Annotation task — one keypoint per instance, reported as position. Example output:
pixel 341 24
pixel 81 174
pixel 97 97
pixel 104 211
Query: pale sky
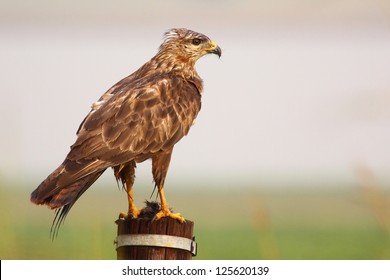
pixel 303 93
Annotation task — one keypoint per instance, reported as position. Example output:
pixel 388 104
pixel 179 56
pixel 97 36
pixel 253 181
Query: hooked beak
pixel 215 49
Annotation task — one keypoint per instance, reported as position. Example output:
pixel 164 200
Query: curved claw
pixel 169 214
pixel 131 215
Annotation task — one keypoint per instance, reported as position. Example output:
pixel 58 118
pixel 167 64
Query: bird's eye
pixel 196 41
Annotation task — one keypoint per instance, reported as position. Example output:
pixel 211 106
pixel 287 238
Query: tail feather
pixel 43 194
pixel 57 195
pixel 74 192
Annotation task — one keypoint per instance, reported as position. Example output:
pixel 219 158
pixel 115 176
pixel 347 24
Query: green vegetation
pixel 230 224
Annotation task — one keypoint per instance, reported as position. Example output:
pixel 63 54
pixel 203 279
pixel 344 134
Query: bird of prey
pixel 141 117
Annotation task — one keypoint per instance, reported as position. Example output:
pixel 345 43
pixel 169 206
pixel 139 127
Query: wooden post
pixel 145 239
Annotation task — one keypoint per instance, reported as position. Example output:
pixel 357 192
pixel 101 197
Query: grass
pixel 247 224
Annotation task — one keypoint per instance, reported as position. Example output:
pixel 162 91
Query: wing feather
pixel 137 122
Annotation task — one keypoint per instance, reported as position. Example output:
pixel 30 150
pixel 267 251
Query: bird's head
pixel 188 45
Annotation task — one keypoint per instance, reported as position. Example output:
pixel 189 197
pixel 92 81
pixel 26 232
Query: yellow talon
pixel 133 214
pixel 169 214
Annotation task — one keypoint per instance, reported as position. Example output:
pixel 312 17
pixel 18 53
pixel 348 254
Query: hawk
pixel 141 117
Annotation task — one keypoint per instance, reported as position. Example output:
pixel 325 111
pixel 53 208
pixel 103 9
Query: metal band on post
pixel 157 240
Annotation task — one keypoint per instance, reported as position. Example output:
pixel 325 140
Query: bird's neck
pixel 167 63
pixel 171 62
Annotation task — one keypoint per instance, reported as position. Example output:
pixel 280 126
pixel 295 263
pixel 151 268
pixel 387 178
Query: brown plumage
pixel 141 117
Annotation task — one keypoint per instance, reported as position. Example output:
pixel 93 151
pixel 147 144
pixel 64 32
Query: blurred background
pixel 289 157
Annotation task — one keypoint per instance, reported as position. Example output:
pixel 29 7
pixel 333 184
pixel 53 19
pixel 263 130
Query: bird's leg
pixel 127 176
pixel 133 211
pixel 160 164
pixel 165 211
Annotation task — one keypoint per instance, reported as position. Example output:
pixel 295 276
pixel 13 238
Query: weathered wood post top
pixel 146 239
